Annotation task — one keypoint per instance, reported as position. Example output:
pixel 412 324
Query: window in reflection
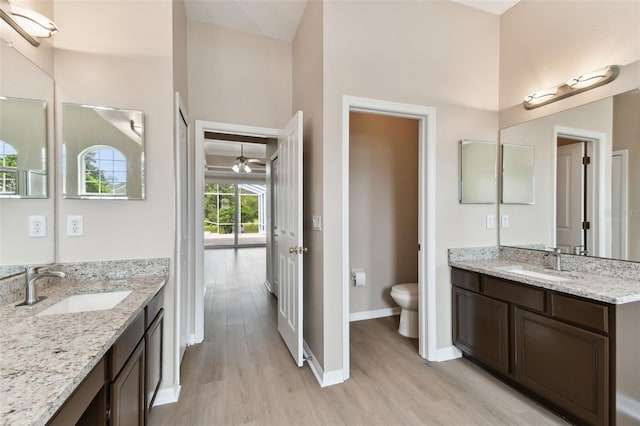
pixel 103 171
pixel 8 169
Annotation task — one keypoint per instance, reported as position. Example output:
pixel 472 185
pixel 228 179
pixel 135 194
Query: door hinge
pixel 418 247
pixel 108 415
pixel 586 225
pixel 586 160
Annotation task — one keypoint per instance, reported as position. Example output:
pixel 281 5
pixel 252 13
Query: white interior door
pixel 570 197
pixel 290 242
pixel 183 208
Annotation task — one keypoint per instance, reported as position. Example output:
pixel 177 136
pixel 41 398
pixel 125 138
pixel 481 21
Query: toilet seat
pixel 405 288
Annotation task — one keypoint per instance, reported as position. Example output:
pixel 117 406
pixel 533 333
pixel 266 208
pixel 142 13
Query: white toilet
pixel 406 296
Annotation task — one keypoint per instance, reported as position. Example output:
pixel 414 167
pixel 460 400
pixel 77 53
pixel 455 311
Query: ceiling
pixel 279 19
pixel 221 155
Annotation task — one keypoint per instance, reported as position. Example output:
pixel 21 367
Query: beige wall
pixel 307 83
pixel 383 206
pixel 180 58
pixel 626 135
pixel 395 52
pixel 238 78
pixel 131 68
pixel 544 43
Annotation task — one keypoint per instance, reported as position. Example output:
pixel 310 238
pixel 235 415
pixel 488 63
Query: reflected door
pixel 570 197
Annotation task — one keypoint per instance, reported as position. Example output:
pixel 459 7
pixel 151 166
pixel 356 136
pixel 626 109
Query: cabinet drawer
pixel 517 294
pixel 465 279
pixel 125 345
pixel 153 308
pixel 589 314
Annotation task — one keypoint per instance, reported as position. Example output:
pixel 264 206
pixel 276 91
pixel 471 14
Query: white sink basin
pixel 86 303
pixel 533 274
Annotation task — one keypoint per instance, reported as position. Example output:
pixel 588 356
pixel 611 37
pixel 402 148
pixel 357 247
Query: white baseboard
pixel 447 353
pixel 628 406
pixel 167 395
pixel 378 313
pixel 324 379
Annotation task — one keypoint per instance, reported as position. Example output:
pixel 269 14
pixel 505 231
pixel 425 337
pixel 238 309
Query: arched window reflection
pixel 8 169
pixel 103 171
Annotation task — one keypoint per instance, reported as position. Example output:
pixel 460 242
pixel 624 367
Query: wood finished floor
pixel 242 374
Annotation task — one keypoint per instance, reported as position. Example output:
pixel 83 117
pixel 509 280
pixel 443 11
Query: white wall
pixel 383 206
pixel 545 43
pixel 238 78
pixel 410 52
pixel 127 64
pixel 308 87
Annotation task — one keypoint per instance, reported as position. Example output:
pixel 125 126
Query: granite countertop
pixel 591 286
pixel 43 359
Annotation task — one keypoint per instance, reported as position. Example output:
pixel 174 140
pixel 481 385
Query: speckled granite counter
pixel 43 359
pixel 606 280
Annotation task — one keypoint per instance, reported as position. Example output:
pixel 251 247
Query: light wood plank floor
pixel 242 373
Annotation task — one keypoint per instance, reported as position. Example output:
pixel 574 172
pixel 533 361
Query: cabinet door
pixel 481 328
pixel 127 391
pixel 153 341
pixel 565 365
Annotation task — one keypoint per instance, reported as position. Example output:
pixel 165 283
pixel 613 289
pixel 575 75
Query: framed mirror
pixel 586 161
pixel 477 172
pixel 26 163
pixel 103 152
pixel 518 178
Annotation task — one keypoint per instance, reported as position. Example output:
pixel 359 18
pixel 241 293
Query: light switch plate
pixel 504 221
pixel 316 223
pixel 491 221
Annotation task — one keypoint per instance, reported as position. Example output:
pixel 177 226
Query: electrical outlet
pixel 75 226
pixel 37 226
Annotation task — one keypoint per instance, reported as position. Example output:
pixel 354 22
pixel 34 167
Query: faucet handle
pixel 553 250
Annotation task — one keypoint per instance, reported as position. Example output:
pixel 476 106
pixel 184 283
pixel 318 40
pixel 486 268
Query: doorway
pixel 597 147
pixel 383 188
pixel 572 197
pixel 426 117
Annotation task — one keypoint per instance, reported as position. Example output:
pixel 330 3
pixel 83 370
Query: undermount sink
pixel 86 303
pixel 533 274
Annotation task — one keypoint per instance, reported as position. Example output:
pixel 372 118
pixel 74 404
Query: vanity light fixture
pixel 27 23
pixel 572 87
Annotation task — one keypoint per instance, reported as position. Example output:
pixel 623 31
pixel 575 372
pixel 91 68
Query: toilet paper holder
pixel 358 277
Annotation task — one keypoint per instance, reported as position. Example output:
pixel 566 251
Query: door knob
pixel 293 250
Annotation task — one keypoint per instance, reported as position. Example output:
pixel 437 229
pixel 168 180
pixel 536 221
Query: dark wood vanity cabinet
pixel 481 328
pixel 568 365
pixel 121 389
pixel 554 347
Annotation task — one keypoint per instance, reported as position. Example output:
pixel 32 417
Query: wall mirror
pixel 518 177
pixel 26 162
pixel 477 172
pixel 103 152
pixel 587 160
pixel 23 148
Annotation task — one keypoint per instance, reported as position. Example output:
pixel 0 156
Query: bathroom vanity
pixel 567 339
pixel 96 367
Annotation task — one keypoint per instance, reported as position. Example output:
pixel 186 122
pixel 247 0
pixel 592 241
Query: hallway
pixel 242 374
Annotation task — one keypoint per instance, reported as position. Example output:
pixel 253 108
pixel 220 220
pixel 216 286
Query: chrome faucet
pixel 31 275
pixel 555 252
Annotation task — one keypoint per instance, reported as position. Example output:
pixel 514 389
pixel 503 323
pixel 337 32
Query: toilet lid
pixel 408 288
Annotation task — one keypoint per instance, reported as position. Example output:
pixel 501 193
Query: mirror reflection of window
pixel 103 170
pixel 8 169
